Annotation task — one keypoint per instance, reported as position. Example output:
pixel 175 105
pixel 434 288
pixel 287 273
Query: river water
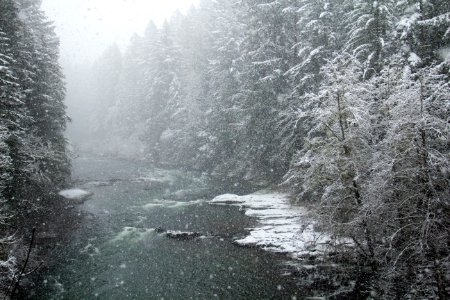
pixel 117 254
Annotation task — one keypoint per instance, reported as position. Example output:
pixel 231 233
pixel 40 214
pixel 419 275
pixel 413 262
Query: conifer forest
pixel 330 119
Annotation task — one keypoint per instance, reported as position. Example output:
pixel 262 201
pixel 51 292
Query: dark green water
pixel 117 254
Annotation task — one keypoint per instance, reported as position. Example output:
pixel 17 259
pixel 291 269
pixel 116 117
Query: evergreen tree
pixel 424 30
pixel 33 160
pixel 106 72
pixel 369 25
pixel 319 36
pixel 224 123
pixel 414 173
pixel 45 92
pixel 266 52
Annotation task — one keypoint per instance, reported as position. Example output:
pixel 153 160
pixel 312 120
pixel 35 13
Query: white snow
pixel 414 59
pixel 444 53
pixel 75 194
pixel 282 227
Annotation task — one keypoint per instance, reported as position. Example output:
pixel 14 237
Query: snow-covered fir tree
pixel 33 158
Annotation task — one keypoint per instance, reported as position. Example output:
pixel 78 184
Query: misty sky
pixel 87 27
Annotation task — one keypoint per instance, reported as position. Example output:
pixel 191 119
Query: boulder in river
pixel 75 196
pixel 182 235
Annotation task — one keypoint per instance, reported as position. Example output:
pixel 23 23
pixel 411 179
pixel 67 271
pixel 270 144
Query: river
pixel 118 253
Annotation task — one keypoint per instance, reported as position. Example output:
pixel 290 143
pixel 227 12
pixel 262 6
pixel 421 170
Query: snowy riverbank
pixel 282 227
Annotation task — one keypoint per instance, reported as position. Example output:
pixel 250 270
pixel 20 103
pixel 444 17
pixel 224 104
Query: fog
pixel 86 28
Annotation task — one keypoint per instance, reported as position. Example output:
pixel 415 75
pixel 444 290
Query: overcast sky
pixel 87 27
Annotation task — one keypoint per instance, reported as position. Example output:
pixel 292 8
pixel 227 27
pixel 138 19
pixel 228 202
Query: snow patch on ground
pixel 281 227
pixel 75 194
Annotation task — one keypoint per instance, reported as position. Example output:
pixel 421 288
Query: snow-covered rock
pixel 77 196
pixel 282 227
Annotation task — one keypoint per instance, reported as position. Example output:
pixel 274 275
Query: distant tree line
pixel 345 102
pixel 33 158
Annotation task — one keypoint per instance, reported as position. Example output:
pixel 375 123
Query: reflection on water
pixel 121 251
